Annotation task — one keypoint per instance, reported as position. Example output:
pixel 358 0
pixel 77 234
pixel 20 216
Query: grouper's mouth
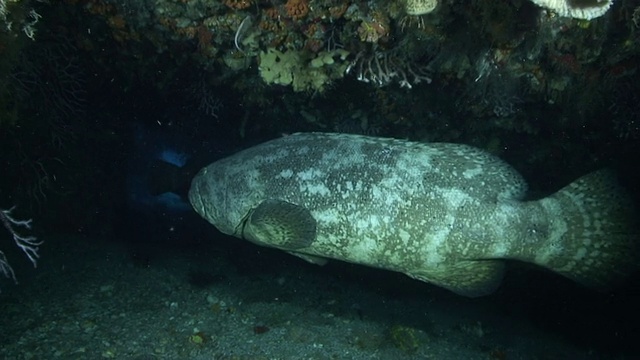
pixel 195 199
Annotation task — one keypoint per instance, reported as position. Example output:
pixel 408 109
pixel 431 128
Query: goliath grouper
pixel 446 214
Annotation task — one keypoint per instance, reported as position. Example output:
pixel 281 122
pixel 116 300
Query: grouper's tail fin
pixel 596 241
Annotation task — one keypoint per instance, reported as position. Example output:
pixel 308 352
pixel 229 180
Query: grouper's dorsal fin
pixel 470 278
pixel 280 224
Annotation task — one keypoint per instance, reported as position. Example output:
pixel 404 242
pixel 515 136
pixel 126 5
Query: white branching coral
pixel 28 244
pixel 578 9
pixel 26 20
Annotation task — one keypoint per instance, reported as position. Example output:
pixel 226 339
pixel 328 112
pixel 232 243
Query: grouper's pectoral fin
pixel 280 224
pixel 310 258
pixel 470 278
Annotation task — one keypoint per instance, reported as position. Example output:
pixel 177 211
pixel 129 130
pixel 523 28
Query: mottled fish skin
pixel 444 213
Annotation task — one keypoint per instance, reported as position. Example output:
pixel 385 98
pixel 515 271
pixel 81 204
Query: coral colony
pixel 308 45
pixel 385 68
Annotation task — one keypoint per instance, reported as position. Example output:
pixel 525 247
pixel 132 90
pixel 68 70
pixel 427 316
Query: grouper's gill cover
pixel 442 213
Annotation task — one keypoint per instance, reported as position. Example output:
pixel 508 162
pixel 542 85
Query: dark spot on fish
pixel 260 329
